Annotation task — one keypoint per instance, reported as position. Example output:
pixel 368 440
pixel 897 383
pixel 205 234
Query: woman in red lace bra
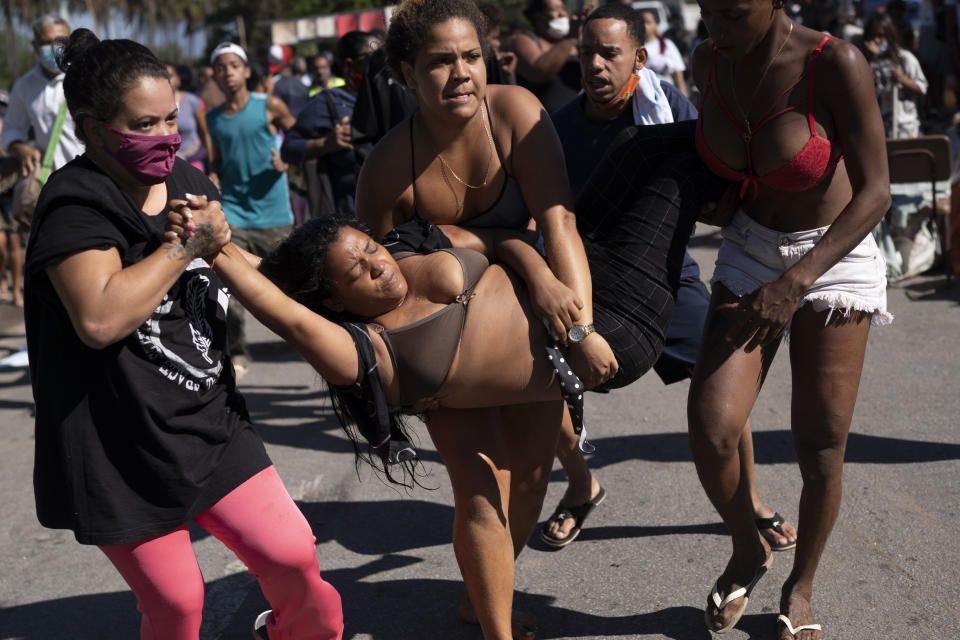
pixel 789 115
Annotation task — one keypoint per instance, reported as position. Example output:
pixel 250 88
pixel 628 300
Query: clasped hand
pixel 198 225
pixel 760 317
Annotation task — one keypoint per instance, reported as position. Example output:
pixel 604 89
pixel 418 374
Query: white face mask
pixel 559 27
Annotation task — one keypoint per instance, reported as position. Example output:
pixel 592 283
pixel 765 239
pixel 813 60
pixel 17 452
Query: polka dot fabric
pixel 571 388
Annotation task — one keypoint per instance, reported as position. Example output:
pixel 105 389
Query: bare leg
pixel 761 510
pixel 581 485
pixel 15 255
pixel 724 388
pixel 826 363
pixel 531 432
pixel 474 449
pixel 3 265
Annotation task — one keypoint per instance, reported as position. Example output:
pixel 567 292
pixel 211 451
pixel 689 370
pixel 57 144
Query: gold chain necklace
pixel 733 89
pixel 453 191
pixel 486 172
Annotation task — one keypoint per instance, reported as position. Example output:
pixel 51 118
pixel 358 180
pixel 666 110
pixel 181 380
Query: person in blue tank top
pixel 249 171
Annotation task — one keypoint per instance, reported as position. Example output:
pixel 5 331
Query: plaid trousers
pixel 635 217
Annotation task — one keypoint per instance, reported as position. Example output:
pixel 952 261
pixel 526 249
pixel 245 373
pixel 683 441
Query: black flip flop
pixel 776 523
pixel 578 513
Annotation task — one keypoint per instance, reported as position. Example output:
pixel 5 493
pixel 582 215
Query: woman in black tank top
pixel 488 156
pixel 465 148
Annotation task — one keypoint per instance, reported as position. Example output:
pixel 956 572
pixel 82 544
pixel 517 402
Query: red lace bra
pixel 804 171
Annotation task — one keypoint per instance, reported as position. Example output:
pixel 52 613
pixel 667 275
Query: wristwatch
pixel 579 331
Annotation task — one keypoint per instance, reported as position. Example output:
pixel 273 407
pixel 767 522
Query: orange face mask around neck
pixel 620 100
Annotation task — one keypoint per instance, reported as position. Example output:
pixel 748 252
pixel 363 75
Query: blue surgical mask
pixel 48 57
pixel 882 49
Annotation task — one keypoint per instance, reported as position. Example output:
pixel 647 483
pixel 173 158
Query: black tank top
pixel 508 211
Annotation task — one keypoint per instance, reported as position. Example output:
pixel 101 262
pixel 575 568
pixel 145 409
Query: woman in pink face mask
pixel 139 428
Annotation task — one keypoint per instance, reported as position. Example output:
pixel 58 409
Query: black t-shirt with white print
pixel 135 439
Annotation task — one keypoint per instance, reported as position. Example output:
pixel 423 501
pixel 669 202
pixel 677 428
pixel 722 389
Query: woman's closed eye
pixel 356 270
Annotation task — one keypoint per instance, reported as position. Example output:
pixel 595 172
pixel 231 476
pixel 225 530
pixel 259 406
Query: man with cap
pixel 619 92
pixel 247 165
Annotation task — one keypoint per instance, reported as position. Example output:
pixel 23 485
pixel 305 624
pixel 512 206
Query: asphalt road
pixel 644 563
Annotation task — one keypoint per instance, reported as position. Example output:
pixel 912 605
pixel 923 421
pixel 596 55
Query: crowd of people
pixel 462 223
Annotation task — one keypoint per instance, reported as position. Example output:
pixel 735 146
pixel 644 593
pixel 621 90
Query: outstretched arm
pixel 325 345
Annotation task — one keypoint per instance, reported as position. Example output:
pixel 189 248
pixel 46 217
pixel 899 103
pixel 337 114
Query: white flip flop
pixel 795 630
pixel 721 604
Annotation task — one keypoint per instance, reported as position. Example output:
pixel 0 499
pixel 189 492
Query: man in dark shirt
pixel 619 93
pixel 323 127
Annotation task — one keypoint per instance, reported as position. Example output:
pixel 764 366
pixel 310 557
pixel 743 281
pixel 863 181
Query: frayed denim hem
pixel 837 302
pixel 831 302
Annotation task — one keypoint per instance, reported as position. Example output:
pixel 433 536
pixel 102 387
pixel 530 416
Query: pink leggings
pixel 260 523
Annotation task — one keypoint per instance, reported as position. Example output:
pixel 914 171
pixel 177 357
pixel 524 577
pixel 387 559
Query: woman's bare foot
pixel 523 625
pixel 574 497
pixel 743 570
pixel 784 541
pixel 796 607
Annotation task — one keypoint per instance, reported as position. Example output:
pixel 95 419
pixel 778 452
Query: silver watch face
pixel 577 333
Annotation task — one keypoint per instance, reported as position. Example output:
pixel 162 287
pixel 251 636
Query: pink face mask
pixel 149 159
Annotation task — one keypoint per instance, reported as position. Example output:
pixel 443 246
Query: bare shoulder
pixel 525 42
pixel 276 106
pixel 842 67
pixel 514 106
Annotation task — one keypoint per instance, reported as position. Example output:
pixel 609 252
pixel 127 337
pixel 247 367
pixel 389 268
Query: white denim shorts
pixel 752 255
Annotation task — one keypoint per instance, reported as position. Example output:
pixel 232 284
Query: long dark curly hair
pixel 298 267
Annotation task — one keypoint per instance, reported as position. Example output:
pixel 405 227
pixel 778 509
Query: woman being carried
pixel 447 326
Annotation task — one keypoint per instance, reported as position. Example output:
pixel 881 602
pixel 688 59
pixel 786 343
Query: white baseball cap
pixel 228 47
